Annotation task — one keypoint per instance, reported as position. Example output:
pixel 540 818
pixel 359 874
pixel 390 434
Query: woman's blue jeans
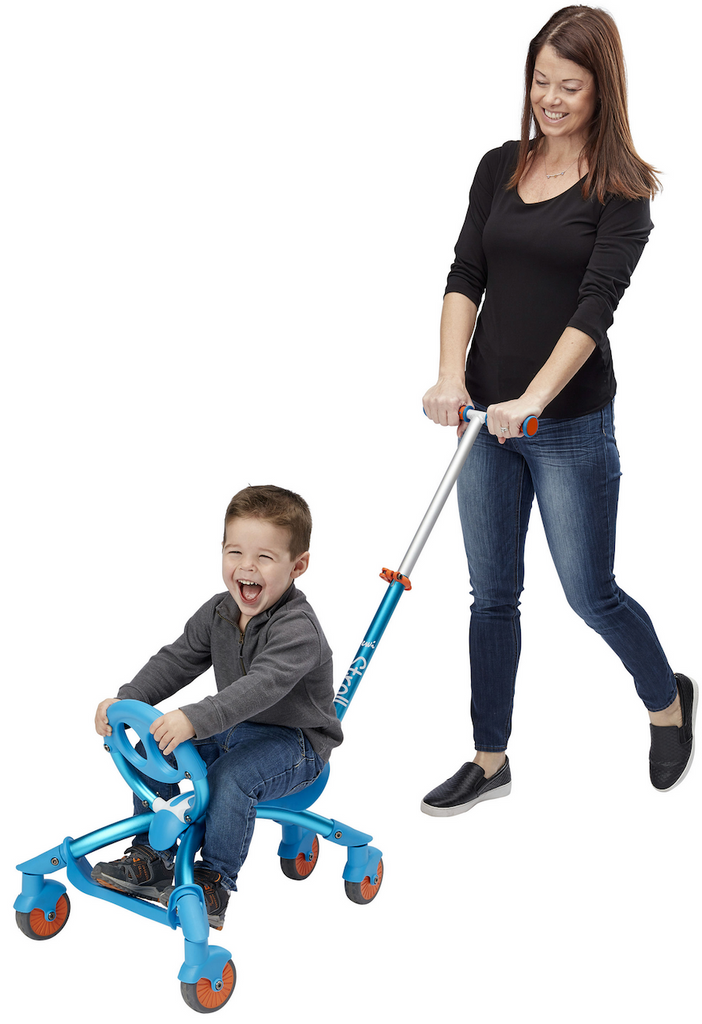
pixel 245 765
pixel 572 466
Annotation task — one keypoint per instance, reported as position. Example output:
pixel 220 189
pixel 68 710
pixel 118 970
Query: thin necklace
pixel 559 174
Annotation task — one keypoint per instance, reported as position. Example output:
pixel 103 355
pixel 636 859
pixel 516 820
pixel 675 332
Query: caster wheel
pixel 35 925
pixel 301 867
pixel 367 890
pixel 201 997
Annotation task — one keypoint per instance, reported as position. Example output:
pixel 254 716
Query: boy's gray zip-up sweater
pixel 279 672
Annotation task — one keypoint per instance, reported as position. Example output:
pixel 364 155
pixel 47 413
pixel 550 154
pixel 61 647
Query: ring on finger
pixel 504 430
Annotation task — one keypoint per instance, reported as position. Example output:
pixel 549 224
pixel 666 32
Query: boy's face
pixel 257 567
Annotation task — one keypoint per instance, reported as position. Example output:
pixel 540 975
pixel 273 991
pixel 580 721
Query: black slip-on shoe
pixel 672 746
pixel 466 788
pixel 141 872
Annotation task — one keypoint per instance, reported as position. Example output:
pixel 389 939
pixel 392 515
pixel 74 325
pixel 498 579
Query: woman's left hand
pixel 505 419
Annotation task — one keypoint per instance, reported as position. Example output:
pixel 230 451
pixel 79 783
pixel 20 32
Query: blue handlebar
pixel 139 717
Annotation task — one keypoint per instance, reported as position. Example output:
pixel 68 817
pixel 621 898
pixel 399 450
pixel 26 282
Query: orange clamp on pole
pixel 392 576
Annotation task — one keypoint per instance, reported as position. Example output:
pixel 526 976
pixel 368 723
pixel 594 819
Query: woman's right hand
pixel 443 400
pixel 102 726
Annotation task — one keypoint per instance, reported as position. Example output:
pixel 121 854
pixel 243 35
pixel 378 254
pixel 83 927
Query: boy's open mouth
pixel 249 591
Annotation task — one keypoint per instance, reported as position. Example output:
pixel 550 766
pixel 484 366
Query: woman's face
pixel 563 97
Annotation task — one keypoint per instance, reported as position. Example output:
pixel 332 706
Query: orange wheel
pixel 301 867
pixel 36 925
pixel 200 995
pixel 367 890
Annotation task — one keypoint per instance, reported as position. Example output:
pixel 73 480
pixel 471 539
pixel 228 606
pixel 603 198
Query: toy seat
pixel 305 797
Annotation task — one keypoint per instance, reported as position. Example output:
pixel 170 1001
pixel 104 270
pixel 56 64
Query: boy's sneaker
pixel 216 896
pixel 141 872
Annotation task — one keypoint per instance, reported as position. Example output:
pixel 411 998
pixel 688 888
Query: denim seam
pixel 515 633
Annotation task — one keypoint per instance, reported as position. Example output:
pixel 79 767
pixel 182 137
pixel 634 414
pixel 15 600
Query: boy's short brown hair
pixel 277 506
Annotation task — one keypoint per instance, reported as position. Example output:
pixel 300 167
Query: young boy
pixel 271 726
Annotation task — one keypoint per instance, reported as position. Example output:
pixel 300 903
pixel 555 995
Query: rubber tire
pixel 200 997
pixel 300 868
pixel 363 892
pixel 35 926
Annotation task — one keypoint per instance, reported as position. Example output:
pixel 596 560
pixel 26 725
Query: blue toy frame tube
pixel 71 854
pixel 368 647
pixel 362 859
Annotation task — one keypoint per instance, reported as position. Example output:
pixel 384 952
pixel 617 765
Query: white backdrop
pixel 227 228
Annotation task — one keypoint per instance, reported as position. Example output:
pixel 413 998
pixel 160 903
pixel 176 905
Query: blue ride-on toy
pixel 207 975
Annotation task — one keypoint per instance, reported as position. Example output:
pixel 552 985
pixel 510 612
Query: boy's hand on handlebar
pixel 444 399
pixel 102 726
pixel 171 729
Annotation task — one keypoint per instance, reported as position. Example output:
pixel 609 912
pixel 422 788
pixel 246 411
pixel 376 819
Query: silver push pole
pixel 475 422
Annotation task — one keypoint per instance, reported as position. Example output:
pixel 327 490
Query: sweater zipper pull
pixel 241 652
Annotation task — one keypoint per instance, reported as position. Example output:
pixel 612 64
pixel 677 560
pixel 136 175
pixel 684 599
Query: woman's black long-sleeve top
pixel 542 267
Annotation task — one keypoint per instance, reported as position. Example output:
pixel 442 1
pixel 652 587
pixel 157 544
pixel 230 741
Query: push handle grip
pixel 529 426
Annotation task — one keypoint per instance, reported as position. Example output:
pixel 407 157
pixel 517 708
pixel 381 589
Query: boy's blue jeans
pixel 245 765
pixel 572 466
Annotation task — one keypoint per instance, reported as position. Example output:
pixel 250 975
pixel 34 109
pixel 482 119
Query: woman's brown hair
pixel 589 37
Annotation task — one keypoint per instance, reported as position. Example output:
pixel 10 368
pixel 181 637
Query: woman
pixel 555 227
